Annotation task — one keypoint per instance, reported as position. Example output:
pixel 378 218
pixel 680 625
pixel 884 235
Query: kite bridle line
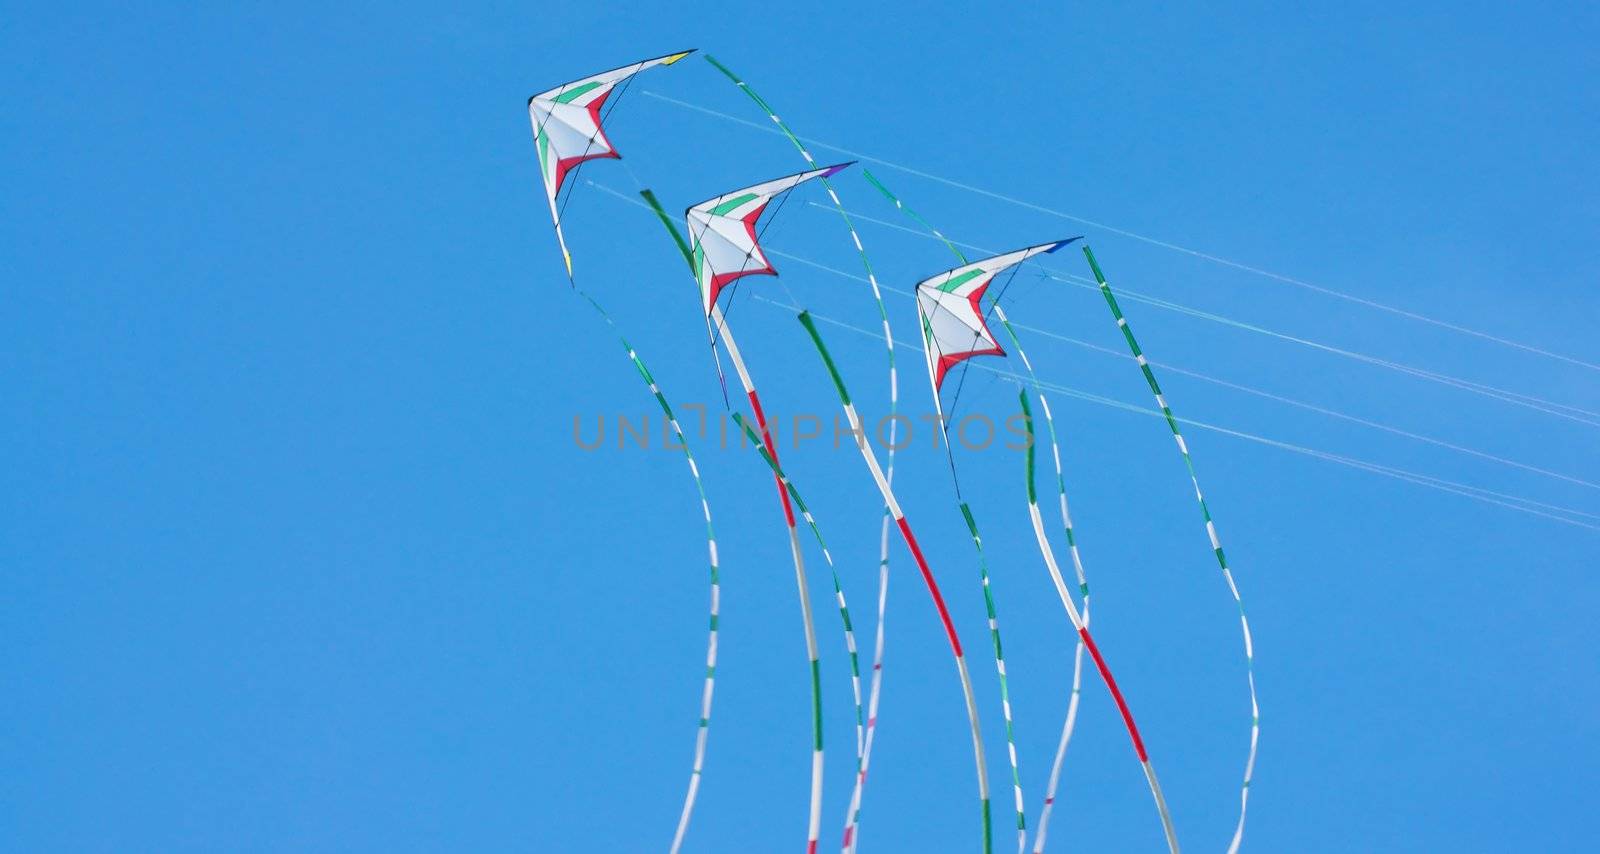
pixel 852 819
pixel 1211 533
pixel 717 323
pixel 1069 724
pixel 863 445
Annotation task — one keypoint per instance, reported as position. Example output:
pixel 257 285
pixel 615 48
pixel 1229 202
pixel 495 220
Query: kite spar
pixel 1211 533
pixel 561 117
pixel 1069 724
pixel 722 248
pixel 864 750
pixel 567 132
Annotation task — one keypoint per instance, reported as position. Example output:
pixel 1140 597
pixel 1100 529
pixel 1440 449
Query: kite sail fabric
pixel 852 817
pixel 948 308
pixel 722 233
pixel 1211 533
pixel 1070 723
pixel 567 131
pixel 887 492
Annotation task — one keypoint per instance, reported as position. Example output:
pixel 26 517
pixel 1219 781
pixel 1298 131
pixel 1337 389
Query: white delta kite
pixel 567 132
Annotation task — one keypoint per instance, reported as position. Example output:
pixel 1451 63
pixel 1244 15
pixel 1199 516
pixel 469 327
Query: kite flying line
pixel 1477 493
pixel 864 749
pixel 1538 404
pixel 1268 274
pixel 1225 383
pixel 1512 502
pixel 1088 284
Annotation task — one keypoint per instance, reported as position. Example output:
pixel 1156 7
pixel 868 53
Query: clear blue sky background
pixel 299 553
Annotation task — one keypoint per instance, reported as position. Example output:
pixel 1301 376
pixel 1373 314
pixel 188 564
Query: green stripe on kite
pixel 958 281
pixel 732 204
pixel 575 93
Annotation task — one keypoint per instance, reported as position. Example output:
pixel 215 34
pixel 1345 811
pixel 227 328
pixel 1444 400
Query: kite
pixel 722 235
pixel 853 816
pixel 567 120
pixel 949 336
pixel 950 310
pixel 922 566
pixel 1211 533
pixel 1069 724
pixel 722 248
pixel 567 132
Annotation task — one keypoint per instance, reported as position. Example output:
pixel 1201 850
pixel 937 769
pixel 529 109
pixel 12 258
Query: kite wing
pixel 566 128
pixel 948 307
pixel 722 233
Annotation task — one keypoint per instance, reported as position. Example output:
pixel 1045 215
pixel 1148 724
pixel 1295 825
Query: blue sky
pixel 300 553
